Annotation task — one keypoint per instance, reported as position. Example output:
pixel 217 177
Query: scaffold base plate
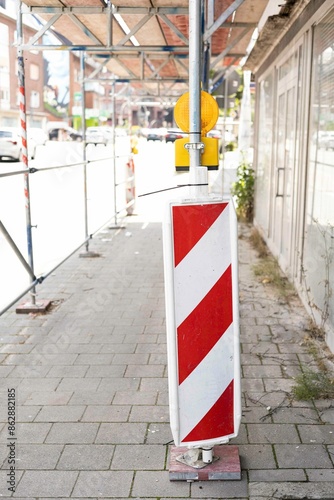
pixel 227 467
pixel 89 255
pixel 28 307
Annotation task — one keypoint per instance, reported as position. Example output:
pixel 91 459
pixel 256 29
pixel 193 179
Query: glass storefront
pixel 294 203
pixel 319 230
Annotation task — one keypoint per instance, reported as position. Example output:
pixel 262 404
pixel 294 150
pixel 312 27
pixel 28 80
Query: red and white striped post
pixel 201 288
pixel 130 193
pixel 201 279
pixel 23 134
pixel 31 305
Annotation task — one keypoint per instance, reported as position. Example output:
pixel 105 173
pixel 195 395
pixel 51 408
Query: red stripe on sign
pixel 190 223
pixel 219 421
pixel 200 331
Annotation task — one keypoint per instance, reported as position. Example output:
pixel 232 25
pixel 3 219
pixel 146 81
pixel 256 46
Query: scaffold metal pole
pixel 23 133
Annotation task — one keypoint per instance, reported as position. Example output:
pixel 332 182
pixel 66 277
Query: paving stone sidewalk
pixel 90 379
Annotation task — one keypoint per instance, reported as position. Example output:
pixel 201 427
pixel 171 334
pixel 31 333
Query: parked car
pixel 174 134
pixel 154 135
pixel 10 144
pixel 96 135
pixel 64 133
pixel 216 134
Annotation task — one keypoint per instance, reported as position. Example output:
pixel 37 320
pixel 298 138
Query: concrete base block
pixel 225 467
pixel 28 307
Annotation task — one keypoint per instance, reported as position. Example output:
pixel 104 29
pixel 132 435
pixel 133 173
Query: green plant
pixel 258 243
pixel 269 271
pixel 313 385
pixel 230 146
pixel 243 191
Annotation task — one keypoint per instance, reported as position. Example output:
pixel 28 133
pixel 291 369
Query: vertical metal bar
pixel 207 45
pixel 194 80
pixel 110 25
pixel 197 174
pixel 23 133
pixel 84 149
pixel 224 129
pixel 114 148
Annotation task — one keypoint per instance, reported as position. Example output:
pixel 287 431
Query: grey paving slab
pixel 84 348
pixel 151 348
pixel 145 371
pixel 149 414
pixel 159 434
pixel 296 415
pixel 122 433
pixel 139 457
pixel 277 475
pixel 29 432
pixel 104 484
pixel 157 484
pixel 98 359
pixel 30 371
pixel 48 398
pixel 135 398
pixel 37 456
pixel 76 384
pixel 16 348
pixel 272 433
pixel 220 489
pixel 112 384
pixel 5 371
pixel 40 384
pixel 110 413
pixel 46 483
pixel 72 433
pixel 40 359
pixel 27 413
pixel 302 456
pixel 119 348
pixel 4 491
pixel 320 474
pixel 91 397
pixel 68 371
pixel 60 414
pixel 257 456
pixel 153 384
pixel 86 457
pixel 316 433
pixel 291 490
pixel 104 371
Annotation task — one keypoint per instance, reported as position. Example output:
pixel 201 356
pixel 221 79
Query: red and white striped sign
pixel 202 322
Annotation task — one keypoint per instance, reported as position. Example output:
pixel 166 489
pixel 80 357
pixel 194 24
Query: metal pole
pixel 110 30
pixel 197 174
pixel 114 148
pixel 224 129
pixel 84 152
pixel 87 252
pixel 23 132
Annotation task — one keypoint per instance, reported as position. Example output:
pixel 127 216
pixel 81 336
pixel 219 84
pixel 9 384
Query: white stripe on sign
pixel 202 267
pixel 204 386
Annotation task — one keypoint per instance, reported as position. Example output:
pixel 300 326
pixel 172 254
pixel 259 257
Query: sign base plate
pixel 225 467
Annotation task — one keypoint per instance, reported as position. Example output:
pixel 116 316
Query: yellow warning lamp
pixel 209 117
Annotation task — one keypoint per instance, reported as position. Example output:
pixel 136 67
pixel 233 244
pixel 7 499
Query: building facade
pixel 294 150
pixel 9 95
